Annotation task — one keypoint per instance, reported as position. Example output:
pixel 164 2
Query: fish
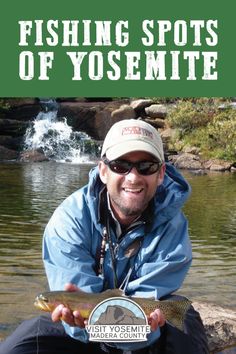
pixel 174 309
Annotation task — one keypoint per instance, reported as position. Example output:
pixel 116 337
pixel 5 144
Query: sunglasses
pixel 123 167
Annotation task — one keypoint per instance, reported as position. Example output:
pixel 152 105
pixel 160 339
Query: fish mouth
pixel 41 305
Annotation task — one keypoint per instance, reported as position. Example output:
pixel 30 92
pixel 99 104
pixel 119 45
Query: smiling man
pixel 132 167
pixel 124 229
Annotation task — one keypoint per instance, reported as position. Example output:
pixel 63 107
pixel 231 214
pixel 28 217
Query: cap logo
pixel 137 130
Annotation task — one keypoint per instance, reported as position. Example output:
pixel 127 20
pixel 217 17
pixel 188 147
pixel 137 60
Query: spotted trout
pixel 174 309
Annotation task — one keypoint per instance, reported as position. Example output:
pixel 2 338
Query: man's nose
pixel 133 174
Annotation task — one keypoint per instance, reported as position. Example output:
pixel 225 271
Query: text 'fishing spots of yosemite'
pixel 174 53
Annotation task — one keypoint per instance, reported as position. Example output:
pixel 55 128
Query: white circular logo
pixel 118 320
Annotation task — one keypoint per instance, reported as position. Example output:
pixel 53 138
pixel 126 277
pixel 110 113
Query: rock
pixel 32 156
pixel 173 157
pixel 139 105
pixel 7 154
pixel 188 161
pixel 21 101
pixel 191 150
pixel 94 118
pixel 24 109
pixel 156 111
pixel 220 325
pixel 79 116
pixel 229 105
pixel 14 143
pixel 123 112
pixel 168 134
pixel 12 127
pixel 156 123
pixel 218 165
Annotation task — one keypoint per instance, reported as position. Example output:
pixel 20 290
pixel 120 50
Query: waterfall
pixel 57 140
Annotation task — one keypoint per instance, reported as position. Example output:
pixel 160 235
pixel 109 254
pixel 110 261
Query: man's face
pixel 130 193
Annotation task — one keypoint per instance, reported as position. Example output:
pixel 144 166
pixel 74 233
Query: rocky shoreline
pixel 95 117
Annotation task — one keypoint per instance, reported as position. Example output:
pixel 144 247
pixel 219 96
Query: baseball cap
pixel 130 135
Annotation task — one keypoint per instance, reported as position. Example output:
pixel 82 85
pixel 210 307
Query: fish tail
pixel 179 312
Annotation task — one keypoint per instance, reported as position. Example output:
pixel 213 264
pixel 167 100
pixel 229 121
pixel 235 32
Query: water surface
pixel 30 192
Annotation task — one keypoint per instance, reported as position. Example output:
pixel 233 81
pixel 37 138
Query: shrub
pixel 222 135
pixel 188 116
pixel 201 124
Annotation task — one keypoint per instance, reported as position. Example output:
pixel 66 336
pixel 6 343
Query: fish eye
pixel 43 298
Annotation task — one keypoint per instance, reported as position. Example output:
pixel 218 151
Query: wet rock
pixel 32 156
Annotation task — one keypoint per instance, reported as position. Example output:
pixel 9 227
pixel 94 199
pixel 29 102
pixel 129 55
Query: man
pixel 125 229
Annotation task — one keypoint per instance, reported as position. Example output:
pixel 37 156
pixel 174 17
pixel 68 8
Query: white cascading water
pixel 58 141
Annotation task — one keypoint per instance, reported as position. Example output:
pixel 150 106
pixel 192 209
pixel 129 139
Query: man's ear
pixel 161 174
pixel 102 171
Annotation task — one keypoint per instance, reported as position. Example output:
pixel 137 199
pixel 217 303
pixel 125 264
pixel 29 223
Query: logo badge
pixel 117 320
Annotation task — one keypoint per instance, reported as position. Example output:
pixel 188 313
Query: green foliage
pixel 204 126
pixel 222 135
pixel 187 116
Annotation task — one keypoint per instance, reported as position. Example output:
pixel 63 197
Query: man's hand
pixel 63 313
pixel 156 319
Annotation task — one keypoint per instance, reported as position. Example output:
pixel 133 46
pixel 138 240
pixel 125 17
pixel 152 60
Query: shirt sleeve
pixel 67 252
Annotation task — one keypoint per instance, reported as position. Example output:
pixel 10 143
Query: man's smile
pixel 132 190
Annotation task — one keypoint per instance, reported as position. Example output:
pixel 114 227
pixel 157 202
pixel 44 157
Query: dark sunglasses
pixel 123 167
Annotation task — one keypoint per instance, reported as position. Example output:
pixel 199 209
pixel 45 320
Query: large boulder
pixel 95 118
pixel 187 161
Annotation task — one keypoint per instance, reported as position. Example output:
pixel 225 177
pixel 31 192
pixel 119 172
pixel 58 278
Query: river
pixel 30 192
